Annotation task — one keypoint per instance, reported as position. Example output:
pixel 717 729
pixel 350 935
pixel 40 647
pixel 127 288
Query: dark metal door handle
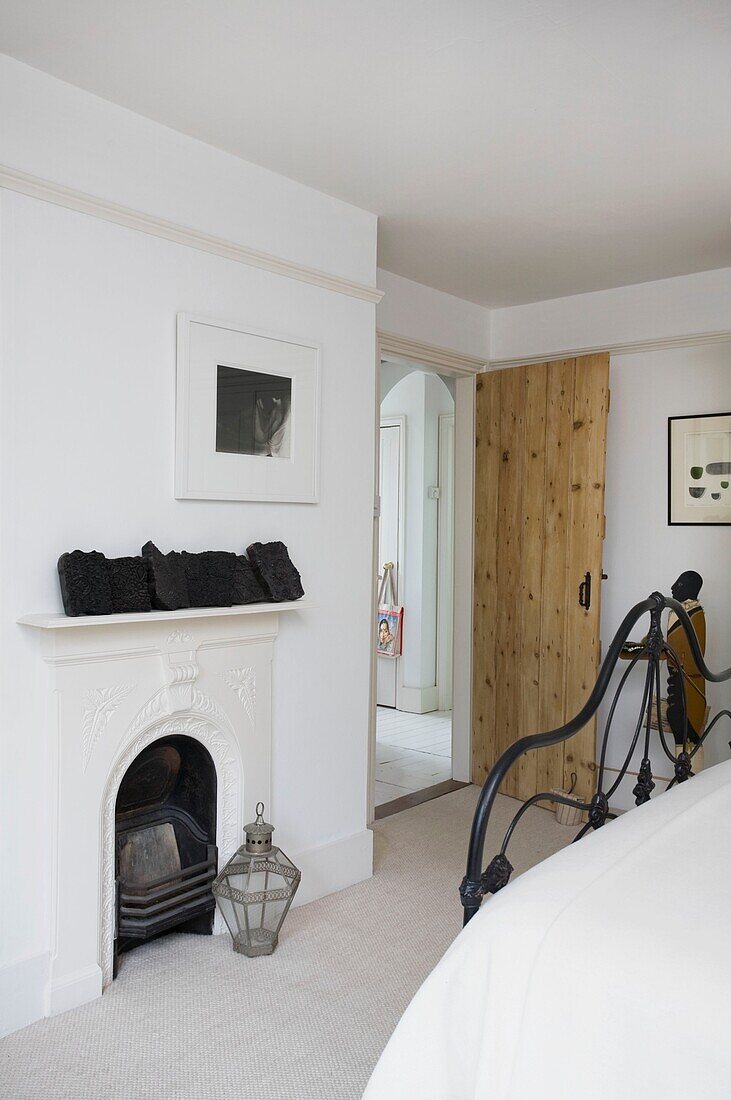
pixel 585 592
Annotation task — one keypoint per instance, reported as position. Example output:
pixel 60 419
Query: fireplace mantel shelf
pixel 66 622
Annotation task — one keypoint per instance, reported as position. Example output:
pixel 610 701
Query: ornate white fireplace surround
pixel 116 684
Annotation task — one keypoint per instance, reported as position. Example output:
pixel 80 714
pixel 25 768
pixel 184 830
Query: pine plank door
pixel 539 529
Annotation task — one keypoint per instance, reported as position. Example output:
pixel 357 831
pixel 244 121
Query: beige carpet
pixel 187 1019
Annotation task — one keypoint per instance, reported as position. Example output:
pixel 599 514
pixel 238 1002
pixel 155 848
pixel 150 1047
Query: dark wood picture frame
pixel 690 523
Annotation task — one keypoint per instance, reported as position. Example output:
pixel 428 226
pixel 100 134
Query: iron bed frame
pixel 476 882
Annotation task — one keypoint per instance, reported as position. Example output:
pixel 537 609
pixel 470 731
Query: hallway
pixel 413 751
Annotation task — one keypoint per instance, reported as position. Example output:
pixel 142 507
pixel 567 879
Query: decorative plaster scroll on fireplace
pixel 151 710
pixel 179 636
pixel 203 704
pixel 166 704
pixel 99 705
pixel 243 682
pixel 183 665
pixel 227 770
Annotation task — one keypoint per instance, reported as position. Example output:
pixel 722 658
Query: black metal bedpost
pixel 473 886
pixel 476 883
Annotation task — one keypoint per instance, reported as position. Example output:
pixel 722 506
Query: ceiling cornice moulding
pixel 390 343
pixel 37 188
pixel 658 343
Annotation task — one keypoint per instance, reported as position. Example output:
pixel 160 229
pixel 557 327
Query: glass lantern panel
pixel 266 915
pixel 230 915
pixel 254 916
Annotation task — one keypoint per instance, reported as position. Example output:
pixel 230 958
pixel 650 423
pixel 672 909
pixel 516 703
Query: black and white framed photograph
pixel 699 469
pixel 246 415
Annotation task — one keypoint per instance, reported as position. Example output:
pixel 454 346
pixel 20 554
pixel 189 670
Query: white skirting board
pixel 25 993
pixel 418 700
pixel 83 986
pixel 22 992
pixel 332 867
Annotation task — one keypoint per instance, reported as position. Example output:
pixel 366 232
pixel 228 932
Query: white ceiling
pixel 515 149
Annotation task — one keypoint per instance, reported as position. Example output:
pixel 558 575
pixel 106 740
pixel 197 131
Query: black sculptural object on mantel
pixel 210 577
pixel 92 584
pixel 85 585
pixel 166 578
pixel 246 586
pixel 275 570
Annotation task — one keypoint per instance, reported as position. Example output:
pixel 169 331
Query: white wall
pixel 87 443
pixel 60 133
pixel 665 309
pixel 432 317
pixel 642 553
pixel 421 398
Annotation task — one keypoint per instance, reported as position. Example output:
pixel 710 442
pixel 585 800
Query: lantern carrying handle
pixel 260 813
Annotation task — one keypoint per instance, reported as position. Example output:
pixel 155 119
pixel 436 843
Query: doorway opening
pixel 413 750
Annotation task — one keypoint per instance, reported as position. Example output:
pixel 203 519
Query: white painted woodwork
pixel 60 135
pixel 682 312
pixel 83 622
pixel 37 188
pixel 464 409
pixel 410 307
pixel 390 536
pixel 445 562
pixel 113 689
pixel 464 537
pixel 420 396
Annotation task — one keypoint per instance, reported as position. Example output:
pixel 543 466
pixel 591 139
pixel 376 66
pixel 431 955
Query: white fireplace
pixel 116 684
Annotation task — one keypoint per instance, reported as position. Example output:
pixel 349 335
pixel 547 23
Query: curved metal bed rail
pixel 476 882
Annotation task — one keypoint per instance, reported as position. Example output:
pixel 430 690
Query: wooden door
pixel 539 526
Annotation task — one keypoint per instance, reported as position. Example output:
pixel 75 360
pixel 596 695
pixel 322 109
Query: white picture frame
pixel 238 438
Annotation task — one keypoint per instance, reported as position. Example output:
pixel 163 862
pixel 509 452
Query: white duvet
pixel 603 971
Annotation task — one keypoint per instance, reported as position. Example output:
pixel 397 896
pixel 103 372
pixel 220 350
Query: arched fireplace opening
pixel 165 843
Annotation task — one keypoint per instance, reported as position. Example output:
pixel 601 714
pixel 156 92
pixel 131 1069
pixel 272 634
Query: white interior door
pixel 388 542
pixel 445 562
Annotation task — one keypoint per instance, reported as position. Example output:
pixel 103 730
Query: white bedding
pixel 603 971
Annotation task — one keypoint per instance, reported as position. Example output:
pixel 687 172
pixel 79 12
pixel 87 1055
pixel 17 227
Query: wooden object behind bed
pixel 539 528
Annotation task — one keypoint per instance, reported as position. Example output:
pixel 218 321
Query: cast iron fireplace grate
pixel 166 855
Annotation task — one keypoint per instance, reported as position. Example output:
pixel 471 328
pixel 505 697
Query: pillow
pixel 274 569
pixel 166 579
pixel 246 586
pixel 210 578
pixel 128 580
pixel 85 584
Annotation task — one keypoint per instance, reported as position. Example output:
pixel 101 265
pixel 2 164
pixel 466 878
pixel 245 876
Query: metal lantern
pixel 255 889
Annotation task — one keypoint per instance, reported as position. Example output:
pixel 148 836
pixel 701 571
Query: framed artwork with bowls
pixel 699 469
